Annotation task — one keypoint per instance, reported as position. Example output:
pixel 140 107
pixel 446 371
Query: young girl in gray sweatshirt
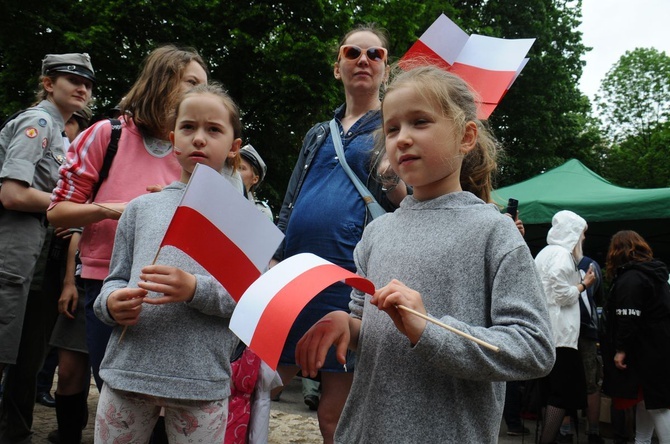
pixel 445 253
pixel 175 353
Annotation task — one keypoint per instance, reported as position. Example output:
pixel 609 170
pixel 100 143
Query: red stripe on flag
pixel 490 85
pixel 484 110
pixel 199 238
pixel 280 313
pixel 421 55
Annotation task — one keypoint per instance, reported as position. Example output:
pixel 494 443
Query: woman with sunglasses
pixel 324 214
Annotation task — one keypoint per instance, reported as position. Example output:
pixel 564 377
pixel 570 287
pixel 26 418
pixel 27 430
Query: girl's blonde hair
pixel 215 89
pixel 157 89
pixel 459 103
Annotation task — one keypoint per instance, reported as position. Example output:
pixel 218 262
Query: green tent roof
pixel 574 187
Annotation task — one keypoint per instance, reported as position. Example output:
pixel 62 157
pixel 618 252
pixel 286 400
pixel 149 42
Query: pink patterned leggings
pixel 128 417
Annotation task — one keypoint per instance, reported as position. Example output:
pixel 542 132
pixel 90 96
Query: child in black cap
pixel 253 170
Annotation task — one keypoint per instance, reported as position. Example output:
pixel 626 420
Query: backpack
pixel 112 147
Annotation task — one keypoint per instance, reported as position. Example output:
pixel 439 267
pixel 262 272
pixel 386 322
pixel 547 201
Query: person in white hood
pixel 565 387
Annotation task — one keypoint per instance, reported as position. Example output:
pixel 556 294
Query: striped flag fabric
pixel 222 231
pixel 489 64
pixel 265 313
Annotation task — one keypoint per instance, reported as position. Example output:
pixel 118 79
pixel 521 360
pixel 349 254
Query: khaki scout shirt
pixel 32 147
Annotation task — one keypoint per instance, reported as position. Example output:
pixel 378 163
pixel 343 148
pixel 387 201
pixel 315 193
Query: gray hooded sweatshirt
pixel 475 273
pixel 180 350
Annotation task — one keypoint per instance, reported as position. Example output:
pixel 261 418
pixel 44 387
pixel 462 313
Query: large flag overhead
pixel 489 64
pixel 222 231
pixel 265 313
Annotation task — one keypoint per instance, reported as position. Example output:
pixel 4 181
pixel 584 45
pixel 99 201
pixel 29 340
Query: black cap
pixel 73 63
pixel 249 153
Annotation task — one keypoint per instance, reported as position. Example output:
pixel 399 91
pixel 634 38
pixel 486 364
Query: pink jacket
pixel 133 169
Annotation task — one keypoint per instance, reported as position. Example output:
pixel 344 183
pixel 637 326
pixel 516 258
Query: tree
pixel 634 97
pixel 276 59
pixel 641 160
pixel 543 120
pixel 634 104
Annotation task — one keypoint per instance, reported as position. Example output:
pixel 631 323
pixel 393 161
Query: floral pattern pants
pixel 128 417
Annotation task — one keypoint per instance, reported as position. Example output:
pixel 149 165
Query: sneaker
pixel 312 402
pixel 595 439
pixel 518 431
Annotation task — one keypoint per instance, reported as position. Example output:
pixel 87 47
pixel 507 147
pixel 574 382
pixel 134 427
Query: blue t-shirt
pixel 328 220
pixel 329 213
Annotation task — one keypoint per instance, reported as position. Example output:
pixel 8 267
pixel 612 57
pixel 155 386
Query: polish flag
pixel 222 231
pixel 265 313
pixel 490 65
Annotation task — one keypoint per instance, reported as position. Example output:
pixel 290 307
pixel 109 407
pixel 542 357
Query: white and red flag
pixel 265 313
pixel 489 64
pixel 219 228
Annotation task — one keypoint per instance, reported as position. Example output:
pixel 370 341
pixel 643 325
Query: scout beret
pixel 74 63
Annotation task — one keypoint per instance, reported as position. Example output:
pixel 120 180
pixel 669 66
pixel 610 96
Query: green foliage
pixel 635 94
pixel 542 120
pixel 634 104
pixel 276 59
pixel 641 160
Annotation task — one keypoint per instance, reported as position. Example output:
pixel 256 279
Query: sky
pixel 612 27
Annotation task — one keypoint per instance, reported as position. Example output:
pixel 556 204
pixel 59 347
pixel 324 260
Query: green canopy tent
pixel 606 207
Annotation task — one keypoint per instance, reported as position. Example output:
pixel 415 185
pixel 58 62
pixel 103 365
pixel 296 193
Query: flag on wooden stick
pixel 265 313
pixel 489 64
pixel 222 231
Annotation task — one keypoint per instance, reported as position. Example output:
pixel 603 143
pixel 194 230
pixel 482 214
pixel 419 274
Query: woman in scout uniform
pixel 31 150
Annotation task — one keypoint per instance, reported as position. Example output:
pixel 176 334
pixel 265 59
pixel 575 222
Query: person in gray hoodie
pixel 176 353
pixel 564 389
pixel 449 255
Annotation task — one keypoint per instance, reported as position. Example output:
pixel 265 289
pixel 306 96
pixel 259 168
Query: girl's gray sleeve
pixel 120 267
pixel 211 298
pixel 519 326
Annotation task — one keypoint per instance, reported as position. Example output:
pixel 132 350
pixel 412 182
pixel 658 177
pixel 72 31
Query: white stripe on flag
pixel 233 214
pixel 445 38
pixel 251 306
pixel 493 53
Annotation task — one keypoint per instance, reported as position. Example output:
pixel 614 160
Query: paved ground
pixel 291 422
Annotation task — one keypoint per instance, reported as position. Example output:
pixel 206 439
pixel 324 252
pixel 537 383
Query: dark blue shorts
pixel 336 297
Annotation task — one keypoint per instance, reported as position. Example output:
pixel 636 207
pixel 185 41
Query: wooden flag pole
pixel 107 208
pixel 450 328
